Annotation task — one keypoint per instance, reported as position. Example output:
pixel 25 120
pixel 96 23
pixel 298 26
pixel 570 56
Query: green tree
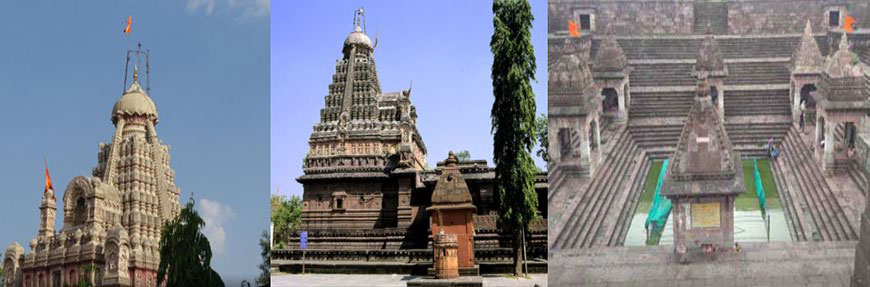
pixel 286 214
pixel 265 252
pixel 543 134
pixel 513 118
pixel 185 254
pixel 1 276
pixel 463 155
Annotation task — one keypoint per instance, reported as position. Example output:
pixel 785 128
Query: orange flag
pixel 847 23
pixel 48 180
pixel 573 29
pixel 127 29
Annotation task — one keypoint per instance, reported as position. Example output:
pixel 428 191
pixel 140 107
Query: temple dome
pixel 357 37
pixel 134 102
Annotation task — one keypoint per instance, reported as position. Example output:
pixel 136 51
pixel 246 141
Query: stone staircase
pixel 757 73
pixel 749 138
pixel 860 177
pixel 592 220
pixel 757 103
pixel 623 222
pixel 687 47
pixel 658 140
pixel 814 208
pixel 660 104
pixel 662 75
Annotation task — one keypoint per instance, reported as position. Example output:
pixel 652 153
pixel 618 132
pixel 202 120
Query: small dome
pixel 843 63
pixel 134 102
pixel 358 38
pixel 610 56
pixel 710 56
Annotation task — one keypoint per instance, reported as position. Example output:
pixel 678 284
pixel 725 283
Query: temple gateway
pixel 112 220
pixel 367 187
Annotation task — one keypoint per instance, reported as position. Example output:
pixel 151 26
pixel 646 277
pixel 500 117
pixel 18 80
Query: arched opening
pixel 806 96
pixel 593 139
pixel 610 102
pixel 714 95
pixel 80 212
pixel 565 148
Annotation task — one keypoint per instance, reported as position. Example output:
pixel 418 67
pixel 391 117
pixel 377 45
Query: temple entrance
pixel 611 100
pixel 565 148
pixel 849 134
pixel 806 96
pixel 714 95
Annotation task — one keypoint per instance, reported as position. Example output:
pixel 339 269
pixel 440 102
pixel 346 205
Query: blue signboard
pixel 303 240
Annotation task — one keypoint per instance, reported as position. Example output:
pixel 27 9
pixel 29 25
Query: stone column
pixel 830 126
pixel 620 98
pixel 796 103
pixel 720 102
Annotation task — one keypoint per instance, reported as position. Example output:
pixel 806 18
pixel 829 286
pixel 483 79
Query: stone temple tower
pixel 363 135
pixel 112 220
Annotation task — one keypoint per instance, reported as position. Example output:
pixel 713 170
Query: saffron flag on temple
pixel 847 23
pixel 129 22
pixel 573 29
pixel 48 181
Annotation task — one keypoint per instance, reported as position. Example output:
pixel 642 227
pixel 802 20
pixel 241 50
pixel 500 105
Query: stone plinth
pixel 445 256
pixel 464 281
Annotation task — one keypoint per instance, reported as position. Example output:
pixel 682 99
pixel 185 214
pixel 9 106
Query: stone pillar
pixel 446 261
pixel 623 112
pixel 861 277
pixel 720 103
pixel 830 141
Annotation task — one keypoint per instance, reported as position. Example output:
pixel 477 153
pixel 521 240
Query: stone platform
pixel 342 280
pixel 464 281
pixel 758 264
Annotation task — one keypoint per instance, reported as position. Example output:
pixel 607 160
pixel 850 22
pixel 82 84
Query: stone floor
pixel 397 280
pixel 759 264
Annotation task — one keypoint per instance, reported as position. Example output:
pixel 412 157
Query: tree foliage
pixel 463 155
pixel 543 138
pixel 185 253
pixel 286 214
pixel 265 252
pixel 513 116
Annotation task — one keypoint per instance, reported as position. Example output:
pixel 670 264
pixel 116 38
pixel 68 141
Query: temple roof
pixel 134 102
pixel 806 57
pixel 570 84
pixel 610 57
pixel 451 188
pixel 710 57
pixel 704 162
pixel 843 63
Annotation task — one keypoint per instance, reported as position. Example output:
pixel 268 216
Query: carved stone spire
pixel 806 57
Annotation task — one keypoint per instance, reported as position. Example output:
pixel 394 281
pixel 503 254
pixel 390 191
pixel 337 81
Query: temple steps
pixel 795 220
pixel 817 207
pixel 860 177
pixel 658 140
pixel 613 179
pixel 662 74
pixel 757 73
pixel 749 138
pixel 660 104
pixel 616 235
pixel 687 47
pixel 751 103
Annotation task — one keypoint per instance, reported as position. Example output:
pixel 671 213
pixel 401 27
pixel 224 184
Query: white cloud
pixel 247 8
pixel 215 215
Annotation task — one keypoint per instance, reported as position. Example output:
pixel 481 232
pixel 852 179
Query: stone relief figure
pixel 111 258
pixel 122 259
pixel 8 276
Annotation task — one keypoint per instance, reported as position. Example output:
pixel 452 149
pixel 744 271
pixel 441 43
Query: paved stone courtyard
pixel 759 264
pixel 397 280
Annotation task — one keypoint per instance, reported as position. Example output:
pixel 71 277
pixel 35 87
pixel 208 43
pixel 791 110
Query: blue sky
pixel 443 46
pixel 62 70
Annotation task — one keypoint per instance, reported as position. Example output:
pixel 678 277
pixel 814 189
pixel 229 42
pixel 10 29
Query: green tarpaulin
pixel 661 206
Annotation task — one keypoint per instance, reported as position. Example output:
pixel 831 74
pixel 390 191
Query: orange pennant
pixel 48 185
pixel 129 22
pixel 847 23
pixel 573 29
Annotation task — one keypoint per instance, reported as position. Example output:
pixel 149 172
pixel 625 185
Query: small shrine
pixel 702 182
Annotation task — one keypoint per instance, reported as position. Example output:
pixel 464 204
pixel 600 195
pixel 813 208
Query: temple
pixel 368 192
pixel 112 220
pixel 788 83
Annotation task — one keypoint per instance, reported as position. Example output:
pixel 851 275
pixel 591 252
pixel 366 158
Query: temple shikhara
pixel 692 136
pixel 112 220
pixel 371 203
